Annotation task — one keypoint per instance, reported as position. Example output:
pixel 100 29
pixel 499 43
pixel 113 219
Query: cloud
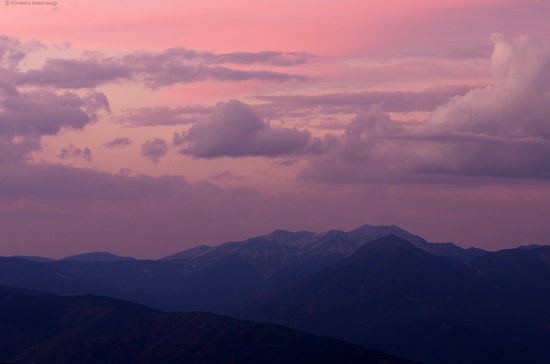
pixel 159 75
pixel 154 149
pixel 395 101
pixel 227 175
pixel 234 130
pixel 367 151
pixel 118 142
pixel 173 66
pixel 191 56
pixel 74 74
pixel 267 57
pixel 180 65
pixel 27 116
pixel 512 111
pixel 13 51
pixel 16 150
pixel 163 115
pixel 502 130
pixel 72 152
pixel 42 112
pixel 517 102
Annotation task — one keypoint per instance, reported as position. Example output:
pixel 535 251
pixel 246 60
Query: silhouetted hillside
pixel 90 329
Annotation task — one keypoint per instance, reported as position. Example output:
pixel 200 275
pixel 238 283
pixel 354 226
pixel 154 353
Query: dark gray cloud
pixel 118 142
pixel 154 149
pixel 72 152
pixel 235 130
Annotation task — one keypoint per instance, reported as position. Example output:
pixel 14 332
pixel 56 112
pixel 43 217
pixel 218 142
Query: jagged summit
pixel 289 247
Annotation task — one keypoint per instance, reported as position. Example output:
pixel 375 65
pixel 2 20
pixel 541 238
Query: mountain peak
pixel 374 232
pixel 97 257
pixel 387 245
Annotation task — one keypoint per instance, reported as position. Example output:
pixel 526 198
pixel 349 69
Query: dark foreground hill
pixel 392 296
pixel 37 328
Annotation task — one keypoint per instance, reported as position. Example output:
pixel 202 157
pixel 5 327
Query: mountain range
pixel 208 278
pixel 397 298
pixel 379 287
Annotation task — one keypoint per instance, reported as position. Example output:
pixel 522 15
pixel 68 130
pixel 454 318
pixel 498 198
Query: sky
pixel 146 128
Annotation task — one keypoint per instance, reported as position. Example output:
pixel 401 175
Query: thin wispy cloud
pixel 118 142
pixel 163 115
pixel 173 66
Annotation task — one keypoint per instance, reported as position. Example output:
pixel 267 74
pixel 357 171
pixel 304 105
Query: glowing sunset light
pixel 146 128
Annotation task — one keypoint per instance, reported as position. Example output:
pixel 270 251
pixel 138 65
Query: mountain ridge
pixel 296 244
pixel 376 286
pixel 92 329
pixel 396 297
pixel 97 257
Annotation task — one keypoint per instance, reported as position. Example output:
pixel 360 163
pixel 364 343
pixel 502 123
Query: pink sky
pixel 144 129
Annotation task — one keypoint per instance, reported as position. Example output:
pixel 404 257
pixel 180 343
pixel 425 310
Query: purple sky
pixel 146 129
